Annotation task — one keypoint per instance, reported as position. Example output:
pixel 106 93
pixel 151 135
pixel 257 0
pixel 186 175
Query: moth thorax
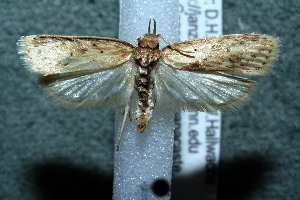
pixel 149 41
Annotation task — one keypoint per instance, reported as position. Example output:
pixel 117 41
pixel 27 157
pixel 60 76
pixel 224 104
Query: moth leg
pixel 130 115
pixel 129 110
pixel 126 112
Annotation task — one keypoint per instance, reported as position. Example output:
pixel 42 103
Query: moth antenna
pixel 176 49
pixel 123 124
pixel 149 26
pixel 166 41
pixel 154 29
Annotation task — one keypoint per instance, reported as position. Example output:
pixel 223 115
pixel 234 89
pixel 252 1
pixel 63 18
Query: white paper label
pixel 198 134
pixel 199 18
pixel 197 143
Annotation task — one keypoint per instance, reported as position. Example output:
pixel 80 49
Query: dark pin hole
pixel 160 187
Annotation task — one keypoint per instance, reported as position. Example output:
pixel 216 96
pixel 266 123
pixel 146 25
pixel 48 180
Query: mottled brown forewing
pixel 250 54
pixel 56 54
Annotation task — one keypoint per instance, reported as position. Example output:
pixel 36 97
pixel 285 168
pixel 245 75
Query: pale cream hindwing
pixel 81 70
pixel 250 54
pixel 112 87
pixel 195 91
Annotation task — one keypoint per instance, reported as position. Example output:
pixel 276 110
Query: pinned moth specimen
pixel 193 75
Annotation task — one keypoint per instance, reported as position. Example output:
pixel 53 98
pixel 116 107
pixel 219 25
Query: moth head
pixel 150 39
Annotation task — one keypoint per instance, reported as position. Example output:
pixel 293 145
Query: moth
pixel 197 74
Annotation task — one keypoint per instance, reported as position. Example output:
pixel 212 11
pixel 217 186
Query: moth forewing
pixel 55 54
pixel 251 54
